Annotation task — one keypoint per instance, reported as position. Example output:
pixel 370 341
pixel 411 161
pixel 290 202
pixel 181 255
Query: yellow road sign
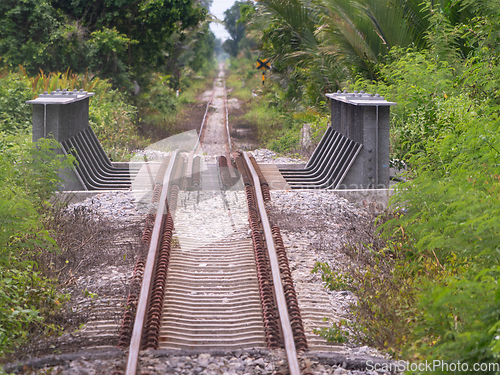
pixel 263 64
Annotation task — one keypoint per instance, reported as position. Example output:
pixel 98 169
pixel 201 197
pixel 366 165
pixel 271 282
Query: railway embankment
pixel 314 225
pixel 106 244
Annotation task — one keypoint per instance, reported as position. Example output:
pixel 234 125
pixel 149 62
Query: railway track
pixel 214 273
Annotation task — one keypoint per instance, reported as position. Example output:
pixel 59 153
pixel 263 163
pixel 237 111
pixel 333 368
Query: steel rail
pixel 205 117
pixel 291 353
pixel 140 317
pixel 227 117
pixel 335 186
pixel 329 148
pixel 315 159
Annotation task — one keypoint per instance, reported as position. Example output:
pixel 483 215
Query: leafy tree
pixel 28 32
pixel 148 23
pixel 112 38
pixel 235 29
pixel 197 50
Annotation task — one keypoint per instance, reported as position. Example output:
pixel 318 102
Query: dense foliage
pixel 134 55
pixel 317 46
pixel 235 29
pixel 235 22
pixel 15 114
pixel 27 180
pixel 114 39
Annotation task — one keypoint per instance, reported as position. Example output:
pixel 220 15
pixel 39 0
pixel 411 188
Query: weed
pixel 334 334
pixel 86 293
pixel 333 280
pixel 28 179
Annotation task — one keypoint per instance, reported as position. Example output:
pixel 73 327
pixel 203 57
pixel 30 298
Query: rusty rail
pixel 271 325
pixel 299 333
pixel 291 353
pixel 198 142
pixel 263 182
pixel 227 117
pixel 135 286
pixel 140 317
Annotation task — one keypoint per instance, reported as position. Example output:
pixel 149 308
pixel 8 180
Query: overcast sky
pixel 217 9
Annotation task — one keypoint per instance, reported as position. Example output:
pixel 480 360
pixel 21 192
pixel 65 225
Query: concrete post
pixel 364 118
pixel 61 115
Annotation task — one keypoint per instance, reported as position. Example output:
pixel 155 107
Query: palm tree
pixel 365 30
pixel 341 37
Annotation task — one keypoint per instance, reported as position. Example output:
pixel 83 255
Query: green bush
pixel 451 212
pixel 333 280
pixel 28 178
pixel 158 103
pixel 452 199
pixel 287 143
pixel 111 116
pixel 114 122
pixel 421 102
pixel 431 292
pixel 386 288
pixel 15 114
pixel 460 320
pixel 26 299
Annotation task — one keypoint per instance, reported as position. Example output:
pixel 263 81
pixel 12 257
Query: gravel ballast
pixel 314 226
